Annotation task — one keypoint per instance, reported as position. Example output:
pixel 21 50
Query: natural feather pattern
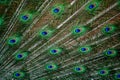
pixel 59 39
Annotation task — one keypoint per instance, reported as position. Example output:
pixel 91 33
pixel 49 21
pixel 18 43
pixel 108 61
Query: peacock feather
pixel 59 39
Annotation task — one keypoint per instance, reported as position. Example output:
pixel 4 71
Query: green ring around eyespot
pixel 115 76
pixel 106 72
pixel 54 67
pixel 30 16
pixel 22 74
pixel 46 36
pixel 57 53
pixel 83 69
pixel 24 55
pixel 112 27
pixel 111 55
pixel 17 39
pixel 97 3
pixel 83 30
pixel 88 49
pixel 61 8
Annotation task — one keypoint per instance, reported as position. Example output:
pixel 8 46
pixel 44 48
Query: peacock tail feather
pixel 59 39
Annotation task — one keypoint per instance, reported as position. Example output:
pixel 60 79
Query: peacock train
pixel 59 39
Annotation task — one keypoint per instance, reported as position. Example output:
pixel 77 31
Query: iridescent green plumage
pixel 59 39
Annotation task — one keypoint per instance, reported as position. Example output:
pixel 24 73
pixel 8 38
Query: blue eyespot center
pixel 91 6
pixel 77 30
pixel 12 41
pixel 102 72
pixel 50 66
pixel 107 29
pixel 19 56
pixel 25 17
pixel 109 52
pixel 54 51
pixel 44 33
pixel 78 69
pixel 17 74
pixel 83 49
pixel 56 10
pixel 118 75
